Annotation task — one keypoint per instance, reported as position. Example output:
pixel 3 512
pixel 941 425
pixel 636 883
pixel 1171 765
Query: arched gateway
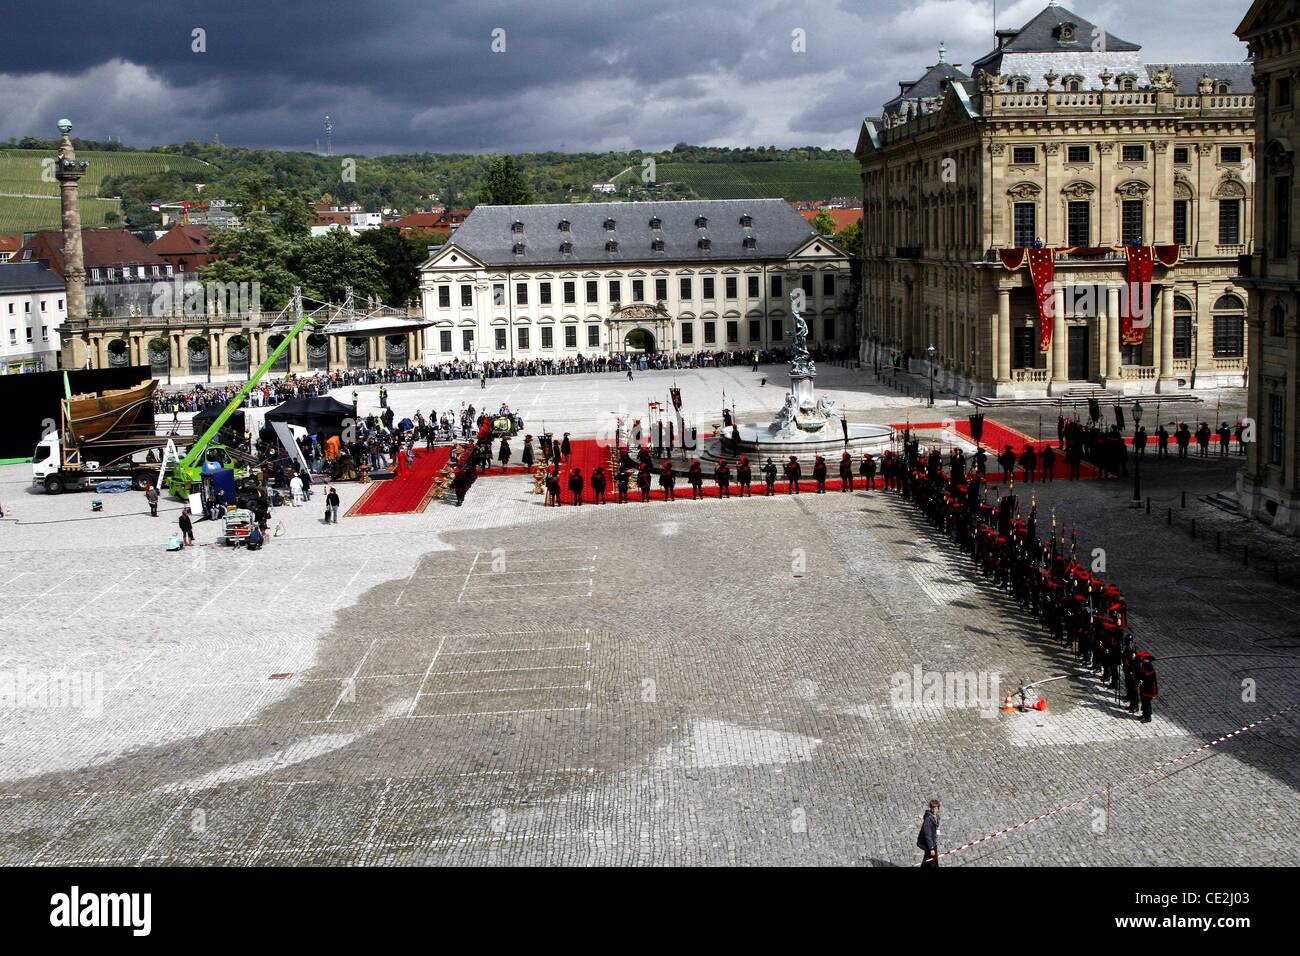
pixel 639 340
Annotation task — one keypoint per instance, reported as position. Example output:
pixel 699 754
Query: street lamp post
pixel 930 352
pixel 1137 456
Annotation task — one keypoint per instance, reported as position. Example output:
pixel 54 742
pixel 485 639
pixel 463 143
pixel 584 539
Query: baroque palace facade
pixel 554 281
pixel 1269 485
pixel 1060 137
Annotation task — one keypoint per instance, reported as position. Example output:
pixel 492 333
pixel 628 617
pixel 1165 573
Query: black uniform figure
pixel 667 481
pixel 1147 683
pixel 1048 461
pixel 867 469
pixel 819 474
pixel 598 482
pixel 623 478
pixel 576 484
pixel 643 481
pixel 769 476
pixel 792 475
pixel 744 476
pixel 695 478
pixel 565 448
pixel 722 474
pixel 846 472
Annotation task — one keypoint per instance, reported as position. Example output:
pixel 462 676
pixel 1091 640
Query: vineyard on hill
pixel 29 202
pixel 809 179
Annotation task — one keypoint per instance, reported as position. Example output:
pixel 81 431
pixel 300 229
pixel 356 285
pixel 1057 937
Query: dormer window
pixel 1127 82
pixel 747 221
pixel 655 222
pixel 517 227
pixel 564 225
pixel 701 222
pixel 656 245
pixel 518 248
pixel 706 244
pixel 1072 84
pixel 1065 32
pixel 612 245
pixel 1020 84
pixel 1223 88
pixel 609 225
pixel 566 247
pixel 749 242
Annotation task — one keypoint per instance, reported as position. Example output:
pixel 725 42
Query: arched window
pixel 1229 327
pixel 1182 328
pixel 1277 320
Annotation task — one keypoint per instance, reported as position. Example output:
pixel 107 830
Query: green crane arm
pixel 200 446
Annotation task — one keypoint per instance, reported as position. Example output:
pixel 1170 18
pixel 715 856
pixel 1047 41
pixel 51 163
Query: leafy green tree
pixel 399 260
pixel 505 186
pixel 329 263
pixel 824 222
pixel 256 253
pixel 850 239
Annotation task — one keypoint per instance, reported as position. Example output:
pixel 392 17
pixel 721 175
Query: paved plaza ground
pixel 671 683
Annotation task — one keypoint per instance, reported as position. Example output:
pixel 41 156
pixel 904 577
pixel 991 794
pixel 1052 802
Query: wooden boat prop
pixel 92 416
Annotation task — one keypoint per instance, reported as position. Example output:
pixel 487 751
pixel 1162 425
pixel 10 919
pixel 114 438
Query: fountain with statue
pixel 806 425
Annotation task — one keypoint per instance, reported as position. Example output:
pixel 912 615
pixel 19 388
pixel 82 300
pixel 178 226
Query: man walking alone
pixel 928 838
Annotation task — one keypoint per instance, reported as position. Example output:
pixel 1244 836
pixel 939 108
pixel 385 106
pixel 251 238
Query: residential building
pixel 121 271
pixel 32 309
pixel 184 247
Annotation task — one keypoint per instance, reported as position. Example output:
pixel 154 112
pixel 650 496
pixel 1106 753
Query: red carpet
pixel 407 494
pixel 997 437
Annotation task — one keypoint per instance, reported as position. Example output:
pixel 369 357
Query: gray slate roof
pixel 933 83
pixel 18 277
pixel 1188 75
pixel 1041 35
pixel 487 233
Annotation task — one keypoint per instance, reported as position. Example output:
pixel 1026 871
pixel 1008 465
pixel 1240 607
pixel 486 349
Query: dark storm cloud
pixel 402 75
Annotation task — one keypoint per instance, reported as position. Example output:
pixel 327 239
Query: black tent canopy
pixel 321 415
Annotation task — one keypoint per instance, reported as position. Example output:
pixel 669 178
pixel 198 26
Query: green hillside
pixel 28 202
pixel 785 179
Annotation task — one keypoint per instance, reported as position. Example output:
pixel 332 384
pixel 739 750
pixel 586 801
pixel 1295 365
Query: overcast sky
pixel 574 75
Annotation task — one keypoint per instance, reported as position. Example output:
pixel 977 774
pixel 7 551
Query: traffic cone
pixel 1040 704
pixel 1007 706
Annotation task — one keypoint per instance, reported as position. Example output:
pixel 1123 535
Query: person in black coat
pixel 722 474
pixel 928 839
pixel 769 476
pixel 819 474
pixel 744 476
pixel 503 455
pixel 576 484
pixel 187 528
pixel 792 475
pixel 527 456
pixel 598 482
pixel 566 449
pixel 623 478
pixel 643 481
pixel 846 472
pixel 695 478
pixel 867 469
pixel 668 481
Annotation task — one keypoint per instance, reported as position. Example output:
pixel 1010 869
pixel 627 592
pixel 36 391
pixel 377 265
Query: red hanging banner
pixel 1136 310
pixel 1042 269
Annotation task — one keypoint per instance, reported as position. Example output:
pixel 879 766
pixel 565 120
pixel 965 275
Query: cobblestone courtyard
pixel 694 683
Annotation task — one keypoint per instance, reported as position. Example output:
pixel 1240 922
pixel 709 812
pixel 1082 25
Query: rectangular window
pixel 776 287
pixel 1229 336
pixel 444 297
pixel 467 340
pixel 13 336
pixel 684 288
pixel 615 291
pixel 1079 222
pixel 806 283
pixel 593 294
pixel 755 330
pixel 828 329
pixel 778 330
pixel 521 335
pixel 1182 336
pixel 570 293
pixel 467 295
pixel 570 336
pixel 733 332
pixel 444 340
pixel 499 293
pixel 593 336
pixel 1024 155
pixel 521 293
pixel 661 290
pixel 708 287
pixel 1131 221
pixel 1026 227
pixel 1180 222
pixel 710 333
pixel 1281 246
pixel 1182 155
pixel 1282 92
pixel 1078 154
pixel 752 287
pixel 548 337
pixel 29 333
pixel 43 305
pixel 1276 429
pixel 1229 222
pixel 1133 153
pixel 828 285
pixel 1230 155
pixel 544 293
pixel 688 333
pixel 638 290
pixel 501 340
pixel 733 286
